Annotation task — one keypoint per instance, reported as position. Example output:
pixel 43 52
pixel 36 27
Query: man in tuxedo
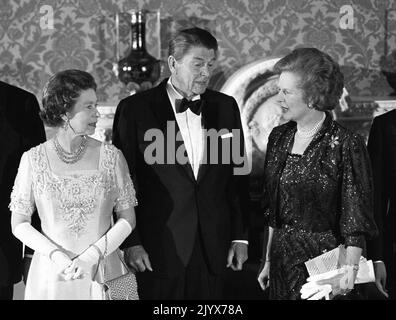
pixel 20 129
pixel 190 219
pixel 382 249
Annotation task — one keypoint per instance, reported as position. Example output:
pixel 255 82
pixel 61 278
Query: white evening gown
pixel 75 211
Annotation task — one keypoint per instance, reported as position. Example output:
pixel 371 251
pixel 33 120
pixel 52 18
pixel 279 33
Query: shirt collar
pixel 174 95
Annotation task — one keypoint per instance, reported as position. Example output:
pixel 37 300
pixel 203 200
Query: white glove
pixel 79 269
pixel 40 243
pixel 314 291
pixel 84 263
pixel 61 260
pixel 329 284
pixel 115 237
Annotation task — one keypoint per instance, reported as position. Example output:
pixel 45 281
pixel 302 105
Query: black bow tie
pixel 195 106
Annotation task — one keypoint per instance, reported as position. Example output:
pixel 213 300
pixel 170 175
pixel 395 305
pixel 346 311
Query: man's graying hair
pixel 188 38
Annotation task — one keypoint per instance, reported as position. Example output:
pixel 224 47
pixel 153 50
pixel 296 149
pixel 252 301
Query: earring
pixel 66 124
pixel 310 105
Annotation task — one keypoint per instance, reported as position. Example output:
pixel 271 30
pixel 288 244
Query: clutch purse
pixel 123 287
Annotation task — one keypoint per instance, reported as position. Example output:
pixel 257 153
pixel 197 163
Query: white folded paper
pixel 328 264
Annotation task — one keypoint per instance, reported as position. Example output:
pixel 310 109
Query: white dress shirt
pixel 190 126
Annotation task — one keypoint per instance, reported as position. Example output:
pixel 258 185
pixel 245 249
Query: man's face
pixel 191 74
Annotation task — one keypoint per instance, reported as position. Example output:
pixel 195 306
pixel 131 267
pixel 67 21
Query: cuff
pixel 240 241
pixel 126 223
pixel 355 241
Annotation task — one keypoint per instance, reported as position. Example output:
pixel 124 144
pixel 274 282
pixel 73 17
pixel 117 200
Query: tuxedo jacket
pixel 20 129
pixel 173 205
pixel 382 151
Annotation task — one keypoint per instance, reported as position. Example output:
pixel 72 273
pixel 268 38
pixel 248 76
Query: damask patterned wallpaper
pixel 83 37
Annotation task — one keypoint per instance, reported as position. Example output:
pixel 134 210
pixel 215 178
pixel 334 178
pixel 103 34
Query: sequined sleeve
pixel 356 220
pixel 126 195
pixel 22 199
pixel 266 200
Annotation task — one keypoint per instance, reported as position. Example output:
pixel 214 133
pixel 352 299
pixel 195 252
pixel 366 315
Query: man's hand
pixel 138 258
pixel 380 277
pixel 237 255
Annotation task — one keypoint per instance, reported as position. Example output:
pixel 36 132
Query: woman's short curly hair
pixel 321 78
pixel 61 93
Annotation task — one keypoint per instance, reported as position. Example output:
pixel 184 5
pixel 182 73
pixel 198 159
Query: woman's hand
pixel 83 265
pixel 263 277
pixel 313 291
pixel 61 260
pixel 330 284
pixel 79 269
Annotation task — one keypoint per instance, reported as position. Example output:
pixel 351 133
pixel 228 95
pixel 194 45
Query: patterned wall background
pixel 83 37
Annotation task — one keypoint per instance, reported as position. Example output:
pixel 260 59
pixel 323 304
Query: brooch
pixel 334 141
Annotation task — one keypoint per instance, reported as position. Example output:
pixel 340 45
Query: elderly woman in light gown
pixel 76 183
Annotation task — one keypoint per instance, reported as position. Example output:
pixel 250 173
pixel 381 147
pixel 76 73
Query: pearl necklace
pixel 70 157
pixel 307 134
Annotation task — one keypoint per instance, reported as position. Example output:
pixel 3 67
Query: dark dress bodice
pixel 315 201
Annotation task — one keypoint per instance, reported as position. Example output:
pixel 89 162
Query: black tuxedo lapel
pixel 210 118
pixel 162 109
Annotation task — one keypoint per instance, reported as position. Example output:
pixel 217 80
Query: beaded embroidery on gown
pixel 75 210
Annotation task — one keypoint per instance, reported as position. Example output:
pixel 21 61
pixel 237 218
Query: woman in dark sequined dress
pixel 317 176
